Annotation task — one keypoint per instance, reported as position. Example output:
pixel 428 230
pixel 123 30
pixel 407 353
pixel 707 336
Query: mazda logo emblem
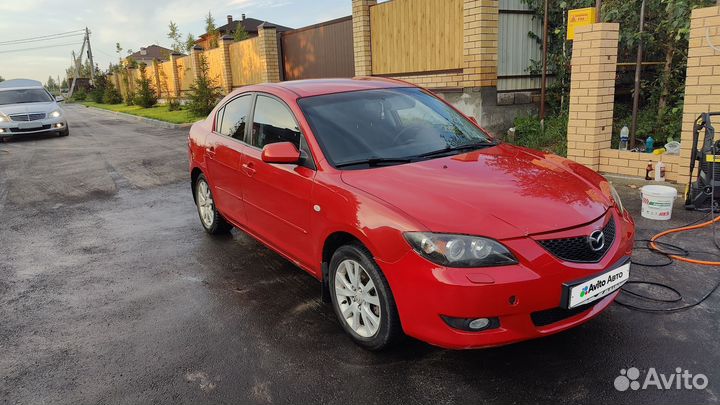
pixel 596 240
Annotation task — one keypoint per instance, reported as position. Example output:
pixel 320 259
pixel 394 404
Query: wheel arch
pixel 194 174
pixel 331 243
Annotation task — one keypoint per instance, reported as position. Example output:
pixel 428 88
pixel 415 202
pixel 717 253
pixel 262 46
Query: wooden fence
pixel 245 62
pixel 317 51
pixel 416 36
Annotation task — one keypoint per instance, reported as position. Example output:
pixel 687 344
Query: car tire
pixel 211 220
pixel 373 298
pixel 64 132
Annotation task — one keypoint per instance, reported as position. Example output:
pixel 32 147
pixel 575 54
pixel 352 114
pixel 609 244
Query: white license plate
pixel 30 125
pixel 593 289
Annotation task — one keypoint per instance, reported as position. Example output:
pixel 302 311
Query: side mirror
pixel 59 99
pixel 280 152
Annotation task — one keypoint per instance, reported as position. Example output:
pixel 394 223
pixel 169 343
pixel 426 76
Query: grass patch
pixel 529 133
pixel 161 112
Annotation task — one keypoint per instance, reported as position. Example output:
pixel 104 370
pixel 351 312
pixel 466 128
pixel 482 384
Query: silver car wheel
pixel 357 298
pixel 205 204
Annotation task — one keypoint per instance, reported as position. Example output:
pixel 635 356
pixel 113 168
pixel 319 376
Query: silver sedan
pixel 26 107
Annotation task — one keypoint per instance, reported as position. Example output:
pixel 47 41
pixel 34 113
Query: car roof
pixel 316 87
pixel 20 84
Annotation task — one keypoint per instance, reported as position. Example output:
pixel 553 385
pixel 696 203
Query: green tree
pixel 189 42
pixel 176 37
pixel 51 85
pixel 97 93
pixel 240 34
pixel 146 96
pixel 211 31
pixel 203 92
pixel 2 79
pixel 118 51
pixel 111 95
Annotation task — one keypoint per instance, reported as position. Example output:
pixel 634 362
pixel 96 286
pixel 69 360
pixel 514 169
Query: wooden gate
pixel 319 51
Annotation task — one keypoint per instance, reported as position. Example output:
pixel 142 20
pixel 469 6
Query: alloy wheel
pixel 205 204
pixel 357 298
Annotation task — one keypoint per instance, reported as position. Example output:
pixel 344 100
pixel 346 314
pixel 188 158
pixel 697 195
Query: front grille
pixel 27 117
pixel 548 316
pixel 16 130
pixel 578 249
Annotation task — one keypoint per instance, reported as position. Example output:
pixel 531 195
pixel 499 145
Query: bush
pixel 173 104
pixel 203 94
pixel 79 95
pixel 145 96
pixel 111 95
pixel 98 91
pixel 529 133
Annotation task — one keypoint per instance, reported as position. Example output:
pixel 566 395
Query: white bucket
pixel 657 202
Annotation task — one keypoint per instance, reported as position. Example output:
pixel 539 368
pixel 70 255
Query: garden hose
pixel 654 246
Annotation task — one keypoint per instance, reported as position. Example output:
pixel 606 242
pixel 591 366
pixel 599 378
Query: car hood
pixel 28 108
pixel 499 192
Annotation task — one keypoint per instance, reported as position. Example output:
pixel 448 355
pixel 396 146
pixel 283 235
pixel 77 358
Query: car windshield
pixel 388 126
pixel 21 96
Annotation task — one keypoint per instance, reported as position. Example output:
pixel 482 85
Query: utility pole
pixel 78 65
pixel 90 56
pixel 543 84
pixel 638 69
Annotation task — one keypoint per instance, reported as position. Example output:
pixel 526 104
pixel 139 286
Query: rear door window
pixel 235 117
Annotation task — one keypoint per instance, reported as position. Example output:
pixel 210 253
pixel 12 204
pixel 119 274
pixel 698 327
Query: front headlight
pixel 4 118
pixel 55 114
pixel 460 250
pixel 616 197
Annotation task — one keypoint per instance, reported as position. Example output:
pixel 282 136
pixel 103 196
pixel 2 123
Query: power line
pixel 44 39
pixel 38 47
pixel 40 37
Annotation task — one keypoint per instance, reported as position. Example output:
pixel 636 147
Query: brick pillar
pixel 195 57
pixel 227 79
pixel 480 43
pixel 592 92
pixel 267 34
pixel 174 76
pixel 156 78
pixel 362 36
pixel 702 84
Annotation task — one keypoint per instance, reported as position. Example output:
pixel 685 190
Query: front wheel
pixel 210 218
pixel 362 299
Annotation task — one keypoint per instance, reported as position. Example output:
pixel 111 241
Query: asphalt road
pixel 110 292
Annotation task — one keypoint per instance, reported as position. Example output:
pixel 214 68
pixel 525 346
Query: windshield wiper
pixel 450 149
pixel 375 161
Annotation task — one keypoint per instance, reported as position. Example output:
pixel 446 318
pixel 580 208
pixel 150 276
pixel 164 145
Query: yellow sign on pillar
pixel 579 18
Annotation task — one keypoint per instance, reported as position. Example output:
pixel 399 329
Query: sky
pixel 132 23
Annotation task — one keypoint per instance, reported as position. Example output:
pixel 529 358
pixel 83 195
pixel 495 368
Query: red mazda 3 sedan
pixel 413 218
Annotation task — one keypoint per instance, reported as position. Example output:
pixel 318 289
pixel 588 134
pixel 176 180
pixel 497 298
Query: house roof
pixel 152 52
pixel 250 25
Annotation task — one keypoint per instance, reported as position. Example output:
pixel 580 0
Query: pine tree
pixel 146 96
pixel 203 94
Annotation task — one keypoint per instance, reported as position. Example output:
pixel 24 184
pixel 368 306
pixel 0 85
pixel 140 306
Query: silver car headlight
pixel 4 117
pixel 460 250
pixel 55 114
pixel 616 198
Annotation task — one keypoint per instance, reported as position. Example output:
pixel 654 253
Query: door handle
pixel 211 151
pixel 249 168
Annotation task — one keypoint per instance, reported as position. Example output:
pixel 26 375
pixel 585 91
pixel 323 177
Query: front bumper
pixel 16 128
pixel 525 298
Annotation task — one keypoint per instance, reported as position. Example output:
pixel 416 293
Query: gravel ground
pixel 110 292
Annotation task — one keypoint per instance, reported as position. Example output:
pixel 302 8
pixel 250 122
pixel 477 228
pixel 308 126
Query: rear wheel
pixel 362 299
pixel 210 218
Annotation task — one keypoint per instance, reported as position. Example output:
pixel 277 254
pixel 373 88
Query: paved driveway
pixel 110 292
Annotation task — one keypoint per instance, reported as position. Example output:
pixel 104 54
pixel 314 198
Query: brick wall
pixel 633 164
pixel 592 92
pixel 702 86
pixel 480 43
